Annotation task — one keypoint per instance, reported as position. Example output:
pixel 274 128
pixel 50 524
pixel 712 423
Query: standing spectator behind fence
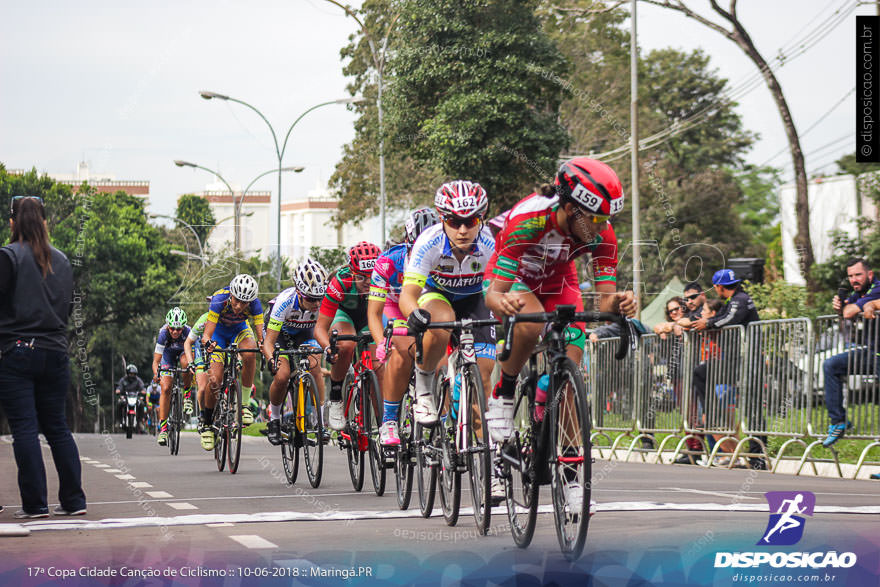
pixel 695 298
pixel 738 309
pixel 675 311
pixel 36 289
pixel 859 361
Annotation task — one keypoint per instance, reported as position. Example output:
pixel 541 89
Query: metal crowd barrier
pixel 739 387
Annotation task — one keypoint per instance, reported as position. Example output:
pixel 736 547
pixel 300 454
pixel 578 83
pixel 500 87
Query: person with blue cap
pixel 738 309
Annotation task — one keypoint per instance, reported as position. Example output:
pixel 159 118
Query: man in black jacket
pixel 739 309
pixel 129 382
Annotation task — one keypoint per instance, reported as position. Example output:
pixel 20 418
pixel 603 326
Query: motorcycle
pixel 130 421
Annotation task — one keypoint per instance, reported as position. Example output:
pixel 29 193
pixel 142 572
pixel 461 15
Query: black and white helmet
pixel 310 278
pixel 419 221
pixel 243 287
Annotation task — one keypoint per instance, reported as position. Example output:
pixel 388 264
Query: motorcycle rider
pixel 130 382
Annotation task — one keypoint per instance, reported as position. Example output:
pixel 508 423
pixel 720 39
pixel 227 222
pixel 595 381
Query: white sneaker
pixel 574 497
pixel 497 493
pixel 388 434
pixel 337 415
pixel 499 418
pixel 425 409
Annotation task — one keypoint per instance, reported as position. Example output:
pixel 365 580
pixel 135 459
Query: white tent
pixel 654 313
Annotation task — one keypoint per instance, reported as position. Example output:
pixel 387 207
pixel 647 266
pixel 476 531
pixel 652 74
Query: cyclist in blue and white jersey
pixel 443 282
pixel 168 351
pixel 228 315
pixel 198 363
pixel 382 306
pixel 291 324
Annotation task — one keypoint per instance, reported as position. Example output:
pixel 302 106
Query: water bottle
pixel 456 388
pixel 541 397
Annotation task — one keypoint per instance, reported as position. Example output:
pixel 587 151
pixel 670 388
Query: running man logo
pixel 786 526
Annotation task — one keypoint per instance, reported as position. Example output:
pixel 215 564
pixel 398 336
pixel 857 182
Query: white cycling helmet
pixel 310 278
pixel 461 198
pixel 243 287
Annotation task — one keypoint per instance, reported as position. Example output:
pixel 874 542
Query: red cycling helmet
pixel 362 257
pixel 591 185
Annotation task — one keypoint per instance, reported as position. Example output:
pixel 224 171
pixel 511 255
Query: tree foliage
pixel 196 211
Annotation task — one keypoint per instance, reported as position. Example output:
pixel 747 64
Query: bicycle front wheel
pixel 175 423
pixel 570 457
pixel 448 476
pixel 479 456
pixel 219 427
pixel 233 430
pixel 289 450
pixel 372 423
pixel 403 465
pixel 312 430
pixel 353 418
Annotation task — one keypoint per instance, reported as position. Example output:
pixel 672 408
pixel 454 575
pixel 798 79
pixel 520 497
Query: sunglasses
pixel 692 297
pixel 16 198
pixel 675 309
pixel 175 329
pixel 594 218
pixel 310 299
pixel 456 222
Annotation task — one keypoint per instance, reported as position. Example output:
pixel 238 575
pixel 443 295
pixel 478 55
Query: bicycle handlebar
pixel 566 314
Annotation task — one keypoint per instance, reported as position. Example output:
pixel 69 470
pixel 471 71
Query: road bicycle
pixel 302 425
pixel 175 413
pixel 360 437
pixel 552 446
pixel 459 444
pixel 227 413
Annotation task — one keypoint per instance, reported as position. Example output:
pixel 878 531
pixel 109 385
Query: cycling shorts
pixel 474 307
pixel 224 335
pixel 293 340
pixel 358 320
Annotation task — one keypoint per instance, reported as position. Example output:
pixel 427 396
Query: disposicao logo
pixel 785 528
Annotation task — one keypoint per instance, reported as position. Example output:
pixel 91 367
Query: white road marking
pixel 102 466
pixel 179 505
pixel 112 470
pixel 159 494
pixel 253 541
pixel 219 525
pixel 701 492
pixel 333 516
pixel 139 484
pixel 125 477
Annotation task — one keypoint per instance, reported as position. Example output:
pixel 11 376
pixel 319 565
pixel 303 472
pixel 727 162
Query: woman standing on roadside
pixel 36 287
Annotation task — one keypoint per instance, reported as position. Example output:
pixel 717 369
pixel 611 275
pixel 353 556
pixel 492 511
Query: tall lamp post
pixel 279 153
pixel 236 202
pixel 379 64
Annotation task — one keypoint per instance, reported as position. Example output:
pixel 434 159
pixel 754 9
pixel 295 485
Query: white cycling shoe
pixel 499 418
pixel 425 409
pixel 337 415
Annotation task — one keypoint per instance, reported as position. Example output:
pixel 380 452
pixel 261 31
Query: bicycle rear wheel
pixel 353 417
pixel 312 434
pixel 570 458
pixel 403 465
pixel 219 427
pixel 234 426
pixel 372 423
pixel 519 468
pixel 448 476
pixel 289 450
pixel 479 457
pixel 175 422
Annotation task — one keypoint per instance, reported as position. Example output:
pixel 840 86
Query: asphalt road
pixel 178 517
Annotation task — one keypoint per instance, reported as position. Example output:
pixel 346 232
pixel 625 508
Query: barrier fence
pixel 727 391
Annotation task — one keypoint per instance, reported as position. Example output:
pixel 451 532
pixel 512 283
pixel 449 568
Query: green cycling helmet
pixel 175 318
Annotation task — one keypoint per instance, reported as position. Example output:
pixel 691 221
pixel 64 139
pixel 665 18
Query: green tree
pixel 195 211
pixel 330 257
pixel 759 208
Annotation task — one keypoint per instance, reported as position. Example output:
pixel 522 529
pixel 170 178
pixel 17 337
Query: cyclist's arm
pixel 500 300
pixel 322 329
pixel 608 297
pixel 409 298
pixel 188 349
pixel 156 359
pixel 210 326
pixel 374 319
pixel 256 310
pixel 268 346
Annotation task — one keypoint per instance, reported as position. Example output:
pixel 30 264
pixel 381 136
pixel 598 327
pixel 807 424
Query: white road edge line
pixel 253 541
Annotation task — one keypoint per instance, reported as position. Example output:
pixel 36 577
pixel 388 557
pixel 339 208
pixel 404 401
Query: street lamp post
pixel 189 226
pixel 379 64
pixel 279 153
pixel 236 202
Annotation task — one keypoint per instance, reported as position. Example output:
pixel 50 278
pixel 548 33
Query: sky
pixel 116 83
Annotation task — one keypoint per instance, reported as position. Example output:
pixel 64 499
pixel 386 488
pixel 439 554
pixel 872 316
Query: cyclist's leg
pixel 165 380
pixel 525 337
pixel 245 340
pixel 435 341
pixel 344 324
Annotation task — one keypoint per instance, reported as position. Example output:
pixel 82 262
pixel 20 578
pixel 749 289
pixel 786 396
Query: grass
pixel 254 429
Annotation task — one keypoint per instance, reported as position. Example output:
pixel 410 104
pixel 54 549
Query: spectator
pixel 738 309
pixel 675 311
pixel 696 299
pixel 36 288
pixel 866 289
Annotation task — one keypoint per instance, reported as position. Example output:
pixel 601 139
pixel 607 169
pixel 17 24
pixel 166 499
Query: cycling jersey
pixel 342 294
pixel 533 249
pixel 287 316
pixel 168 346
pixel 197 329
pixel 220 310
pixel 433 264
pixel 387 279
